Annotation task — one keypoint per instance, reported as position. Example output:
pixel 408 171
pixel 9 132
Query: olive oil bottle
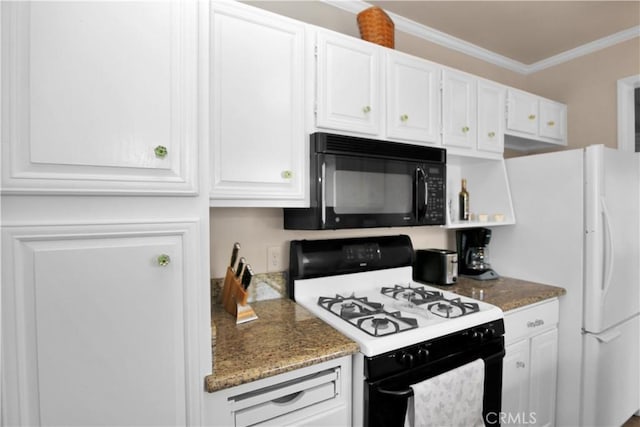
pixel 463 202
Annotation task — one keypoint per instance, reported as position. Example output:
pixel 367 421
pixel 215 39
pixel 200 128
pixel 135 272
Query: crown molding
pixel 585 49
pixel 446 40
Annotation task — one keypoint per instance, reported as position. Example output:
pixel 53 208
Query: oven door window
pixel 367 191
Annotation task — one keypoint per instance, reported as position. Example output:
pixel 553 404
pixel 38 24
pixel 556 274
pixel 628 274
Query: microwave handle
pixel 420 194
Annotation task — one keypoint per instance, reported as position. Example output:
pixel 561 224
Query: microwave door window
pixel 370 192
pixel 375 191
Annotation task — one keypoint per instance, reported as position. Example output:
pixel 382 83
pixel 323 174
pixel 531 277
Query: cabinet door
pixel 348 82
pixel 257 81
pixel 101 97
pixel 491 100
pixel 544 367
pixel 553 118
pixel 96 325
pixel 458 109
pixel 413 99
pixel 522 113
pixel 515 379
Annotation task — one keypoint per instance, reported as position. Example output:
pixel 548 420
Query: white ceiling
pixel 521 35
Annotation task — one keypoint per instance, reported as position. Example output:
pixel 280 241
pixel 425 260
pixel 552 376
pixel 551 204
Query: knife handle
pixel 246 277
pixel 234 254
pixel 240 268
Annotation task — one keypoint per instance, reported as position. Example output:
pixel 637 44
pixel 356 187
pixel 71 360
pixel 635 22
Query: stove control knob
pixel 478 334
pixel 406 359
pixel 489 332
pixel 423 354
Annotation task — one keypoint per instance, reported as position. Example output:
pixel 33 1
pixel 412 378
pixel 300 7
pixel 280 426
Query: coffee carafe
pixel 473 254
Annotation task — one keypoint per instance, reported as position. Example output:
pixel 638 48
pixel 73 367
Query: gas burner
pixel 350 307
pixel 380 323
pixel 443 308
pixel 452 308
pixel 418 295
pixel 366 315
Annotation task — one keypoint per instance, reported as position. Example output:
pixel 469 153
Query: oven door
pixel 386 399
pixel 369 192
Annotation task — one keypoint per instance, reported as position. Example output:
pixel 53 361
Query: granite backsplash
pixel 264 286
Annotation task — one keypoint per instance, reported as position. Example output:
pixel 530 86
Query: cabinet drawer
pixel 530 320
pixel 274 401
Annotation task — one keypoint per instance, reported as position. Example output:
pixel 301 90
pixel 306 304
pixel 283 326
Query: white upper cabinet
pixel 259 143
pixel 491 101
pixel 553 120
pixel 534 122
pixel 458 109
pixel 100 97
pixel 412 98
pixel 348 84
pixel 522 115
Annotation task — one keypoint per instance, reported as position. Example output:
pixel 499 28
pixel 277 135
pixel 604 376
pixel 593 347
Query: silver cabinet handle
pixel 520 364
pixel 163 260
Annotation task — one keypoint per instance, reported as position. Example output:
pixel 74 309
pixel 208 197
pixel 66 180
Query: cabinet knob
pixel 491 134
pixel 520 364
pixel 164 260
pixel 161 151
pixel 404 118
pixel 366 109
pixel 551 123
pixel 532 116
pixel 287 174
pixel 465 129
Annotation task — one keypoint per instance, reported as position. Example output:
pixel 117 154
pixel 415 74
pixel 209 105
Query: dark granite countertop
pixel 285 337
pixel 505 292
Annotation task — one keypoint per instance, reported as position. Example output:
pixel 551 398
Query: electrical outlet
pixel 274 259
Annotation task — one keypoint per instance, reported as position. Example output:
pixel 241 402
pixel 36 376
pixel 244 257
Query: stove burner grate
pixel 418 295
pixel 433 301
pixel 452 308
pixel 368 316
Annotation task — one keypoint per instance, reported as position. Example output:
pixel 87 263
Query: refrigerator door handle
pixel 607 337
pixel 608 250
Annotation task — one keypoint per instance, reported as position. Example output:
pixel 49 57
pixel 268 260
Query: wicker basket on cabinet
pixel 376 27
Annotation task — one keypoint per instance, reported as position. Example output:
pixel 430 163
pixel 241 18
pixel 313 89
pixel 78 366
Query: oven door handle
pixel 401 393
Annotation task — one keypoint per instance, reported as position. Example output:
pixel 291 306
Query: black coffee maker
pixel 473 254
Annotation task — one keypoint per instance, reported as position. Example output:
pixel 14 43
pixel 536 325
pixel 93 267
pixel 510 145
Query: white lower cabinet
pixel 96 326
pixel 318 395
pixel 530 365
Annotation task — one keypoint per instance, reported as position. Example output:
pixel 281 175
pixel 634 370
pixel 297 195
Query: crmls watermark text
pixel 509 418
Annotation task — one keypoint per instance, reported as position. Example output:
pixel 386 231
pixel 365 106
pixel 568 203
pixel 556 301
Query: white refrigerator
pixel 578 226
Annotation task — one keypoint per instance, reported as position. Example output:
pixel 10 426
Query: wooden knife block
pixel 234 298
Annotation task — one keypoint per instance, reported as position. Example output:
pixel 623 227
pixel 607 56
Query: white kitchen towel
pixel 453 398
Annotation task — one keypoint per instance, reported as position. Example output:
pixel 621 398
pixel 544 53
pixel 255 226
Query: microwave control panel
pixel 435 199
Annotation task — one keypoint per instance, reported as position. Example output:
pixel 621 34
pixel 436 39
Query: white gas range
pixel 384 310
pixel 407 331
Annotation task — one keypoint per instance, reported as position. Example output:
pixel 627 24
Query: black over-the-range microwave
pixel 364 183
